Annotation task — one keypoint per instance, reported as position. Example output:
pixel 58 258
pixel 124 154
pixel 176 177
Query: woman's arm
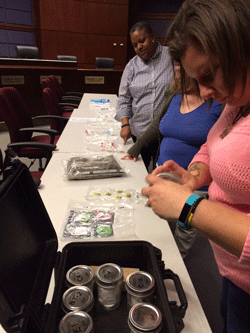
pixel 125 132
pixel 152 132
pixel 201 173
pixel 223 226
pixel 124 100
pixel 148 137
pixel 197 175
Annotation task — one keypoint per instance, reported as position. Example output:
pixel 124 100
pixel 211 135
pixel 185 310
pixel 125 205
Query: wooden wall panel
pixel 86 29
pixel 85 47
pixel 118 2
pixel 84 17
pixel 57 42
pixel 103 46
pixel 101 19
pixel 57 15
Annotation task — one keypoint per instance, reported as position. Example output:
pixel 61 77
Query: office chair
pixel 66 57
pixel 104 63
pixel 27 52
pixel 59 118
pixel 20 126
pixel 61 93
pixel 66 102
pixel 6 167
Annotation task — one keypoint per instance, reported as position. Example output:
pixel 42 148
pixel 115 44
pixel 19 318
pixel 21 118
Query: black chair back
pixel 66 57
pixel 104 63
pixel 27 52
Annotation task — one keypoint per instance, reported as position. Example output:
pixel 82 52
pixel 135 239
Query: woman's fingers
pixel 128 156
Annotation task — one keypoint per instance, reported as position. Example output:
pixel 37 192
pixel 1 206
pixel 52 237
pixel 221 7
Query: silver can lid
pixel 140 282
pixel 76 321
pixel 109 274
pixel 78 298
pixel 145 317
pixel 170 176
pixel 80 275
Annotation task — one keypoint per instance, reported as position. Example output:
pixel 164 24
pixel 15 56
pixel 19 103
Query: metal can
pixel 76 321
pixel 144 317
pixel 109 279
pixel 140 288
pixel 78 298
pixel 169 176
pixel 80 275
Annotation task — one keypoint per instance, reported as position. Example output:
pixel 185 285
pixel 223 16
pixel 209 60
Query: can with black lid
pixel 76 321
pixel 109 279
pixel 144 317
pixel 80 275
pixel 140 287
pixel 78 298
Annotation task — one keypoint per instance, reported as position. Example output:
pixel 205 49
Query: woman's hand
pixel 129 157
pixel 186 177
pixel 125 134
pixel 165 197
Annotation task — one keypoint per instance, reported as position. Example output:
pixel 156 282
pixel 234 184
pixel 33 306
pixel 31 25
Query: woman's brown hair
pixel 191 86
pixel 221 28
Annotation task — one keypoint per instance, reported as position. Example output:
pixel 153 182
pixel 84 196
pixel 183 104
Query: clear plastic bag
pixel 114 196
pixel 89 220
pixel 109 117
pixel 103 137
pixel 92 166
pixel 107 144
pixel 100 103
pixel 106 111
pixel 100 132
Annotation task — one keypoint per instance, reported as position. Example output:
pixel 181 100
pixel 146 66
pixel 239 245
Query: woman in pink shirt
pixel 211 40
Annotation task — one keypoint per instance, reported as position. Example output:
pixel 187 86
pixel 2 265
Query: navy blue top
pixel 183 134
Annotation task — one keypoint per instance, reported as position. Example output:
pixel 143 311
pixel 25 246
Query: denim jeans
pixel 235 308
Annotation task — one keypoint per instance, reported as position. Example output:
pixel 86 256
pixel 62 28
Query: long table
pixel 56 193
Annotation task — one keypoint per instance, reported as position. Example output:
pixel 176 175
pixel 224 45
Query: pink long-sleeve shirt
pixel 229 163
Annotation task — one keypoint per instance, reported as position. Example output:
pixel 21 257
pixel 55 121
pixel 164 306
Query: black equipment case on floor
pixel 28 255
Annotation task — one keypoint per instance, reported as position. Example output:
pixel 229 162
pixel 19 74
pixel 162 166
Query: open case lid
pixel 28 245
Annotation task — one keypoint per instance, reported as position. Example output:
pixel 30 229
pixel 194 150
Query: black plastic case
pixel 28 250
